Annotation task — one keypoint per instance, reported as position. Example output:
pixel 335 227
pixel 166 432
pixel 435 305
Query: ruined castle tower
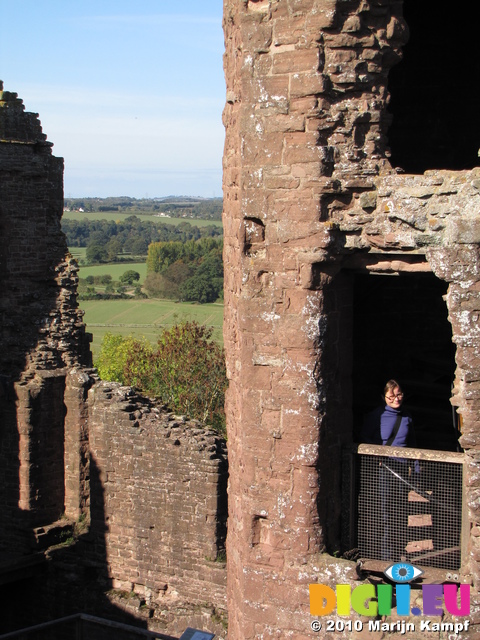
pixel 352 198
pixel 144 490
pixel 43 338
pixel 352 255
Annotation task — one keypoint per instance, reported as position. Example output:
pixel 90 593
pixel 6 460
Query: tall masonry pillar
pixel 305 92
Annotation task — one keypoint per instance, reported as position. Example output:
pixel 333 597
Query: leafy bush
pixel 114 355
pixel 94 295
pixel 157 286
pixel 185 370
pixel 129 277
pixel 104 278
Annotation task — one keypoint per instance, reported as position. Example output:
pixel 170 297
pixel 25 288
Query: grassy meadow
pixel 115 269
pixel 146 317
pixel 138 317
pixel 79 253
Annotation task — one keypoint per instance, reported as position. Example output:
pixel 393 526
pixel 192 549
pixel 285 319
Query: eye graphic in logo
pixel 402 572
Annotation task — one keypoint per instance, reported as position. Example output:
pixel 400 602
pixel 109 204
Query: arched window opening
pixel 434 96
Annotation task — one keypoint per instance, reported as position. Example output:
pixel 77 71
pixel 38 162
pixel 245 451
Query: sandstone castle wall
pixel 110 505
pixel 163 501
pixel 313 208
pixel 311 203
pixel 42 329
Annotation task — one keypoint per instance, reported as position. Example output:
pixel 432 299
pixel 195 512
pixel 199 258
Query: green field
pixel 115 269
pixel 116 215
pixel 145 317
pixel 138 317
pixel 79 253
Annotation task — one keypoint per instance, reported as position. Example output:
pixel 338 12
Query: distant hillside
pixel 176 206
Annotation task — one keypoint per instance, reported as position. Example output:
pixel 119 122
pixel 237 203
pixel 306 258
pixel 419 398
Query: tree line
pixel 107 240
pixel 178 206
pixel 187 271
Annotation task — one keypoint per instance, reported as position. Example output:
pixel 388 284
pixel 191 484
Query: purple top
pixel 378 427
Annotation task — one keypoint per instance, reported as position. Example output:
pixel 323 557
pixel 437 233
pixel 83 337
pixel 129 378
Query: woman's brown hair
pixel 390 386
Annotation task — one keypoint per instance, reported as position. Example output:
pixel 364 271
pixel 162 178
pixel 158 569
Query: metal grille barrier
pixel 410 506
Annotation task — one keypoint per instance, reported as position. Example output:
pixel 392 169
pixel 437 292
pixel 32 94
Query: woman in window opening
pixel 391 425
pixel 381 424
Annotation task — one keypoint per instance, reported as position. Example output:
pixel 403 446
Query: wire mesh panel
pixel 410 509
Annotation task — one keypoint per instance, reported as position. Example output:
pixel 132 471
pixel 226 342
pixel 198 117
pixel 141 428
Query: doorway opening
pixel 434 97
pixel 401 331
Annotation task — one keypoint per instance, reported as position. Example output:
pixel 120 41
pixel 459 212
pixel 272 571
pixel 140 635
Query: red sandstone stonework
pixel 42 333
pixel 310 199
pixel 309 192
pixel 142 489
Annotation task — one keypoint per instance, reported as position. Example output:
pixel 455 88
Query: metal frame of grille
pixel 409 506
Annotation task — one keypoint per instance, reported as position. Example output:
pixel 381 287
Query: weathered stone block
pixel 299 60
pixel 306 84
pixel 463 231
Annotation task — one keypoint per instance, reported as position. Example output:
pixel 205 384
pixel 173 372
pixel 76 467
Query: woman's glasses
pixel 397 396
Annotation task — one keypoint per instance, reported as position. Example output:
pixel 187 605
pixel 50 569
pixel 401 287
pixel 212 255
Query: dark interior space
pixel 401 331
pixel 435 98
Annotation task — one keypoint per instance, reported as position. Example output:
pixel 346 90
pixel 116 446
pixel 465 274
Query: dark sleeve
pixel 370 433
pixel 411 439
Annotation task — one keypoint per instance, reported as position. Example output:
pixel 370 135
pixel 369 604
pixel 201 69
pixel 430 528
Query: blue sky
pixel 130 92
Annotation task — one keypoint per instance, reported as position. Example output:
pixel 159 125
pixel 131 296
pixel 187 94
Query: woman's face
pixel 394 398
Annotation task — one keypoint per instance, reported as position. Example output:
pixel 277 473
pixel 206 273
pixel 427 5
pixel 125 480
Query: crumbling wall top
pixel 17 125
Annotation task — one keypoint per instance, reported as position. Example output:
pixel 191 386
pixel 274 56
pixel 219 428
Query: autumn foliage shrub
pixel 185 370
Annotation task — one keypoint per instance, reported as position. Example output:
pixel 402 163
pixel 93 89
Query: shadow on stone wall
pixel 51 562
pixel 13 532
pixel 154 565
pixel 67 578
